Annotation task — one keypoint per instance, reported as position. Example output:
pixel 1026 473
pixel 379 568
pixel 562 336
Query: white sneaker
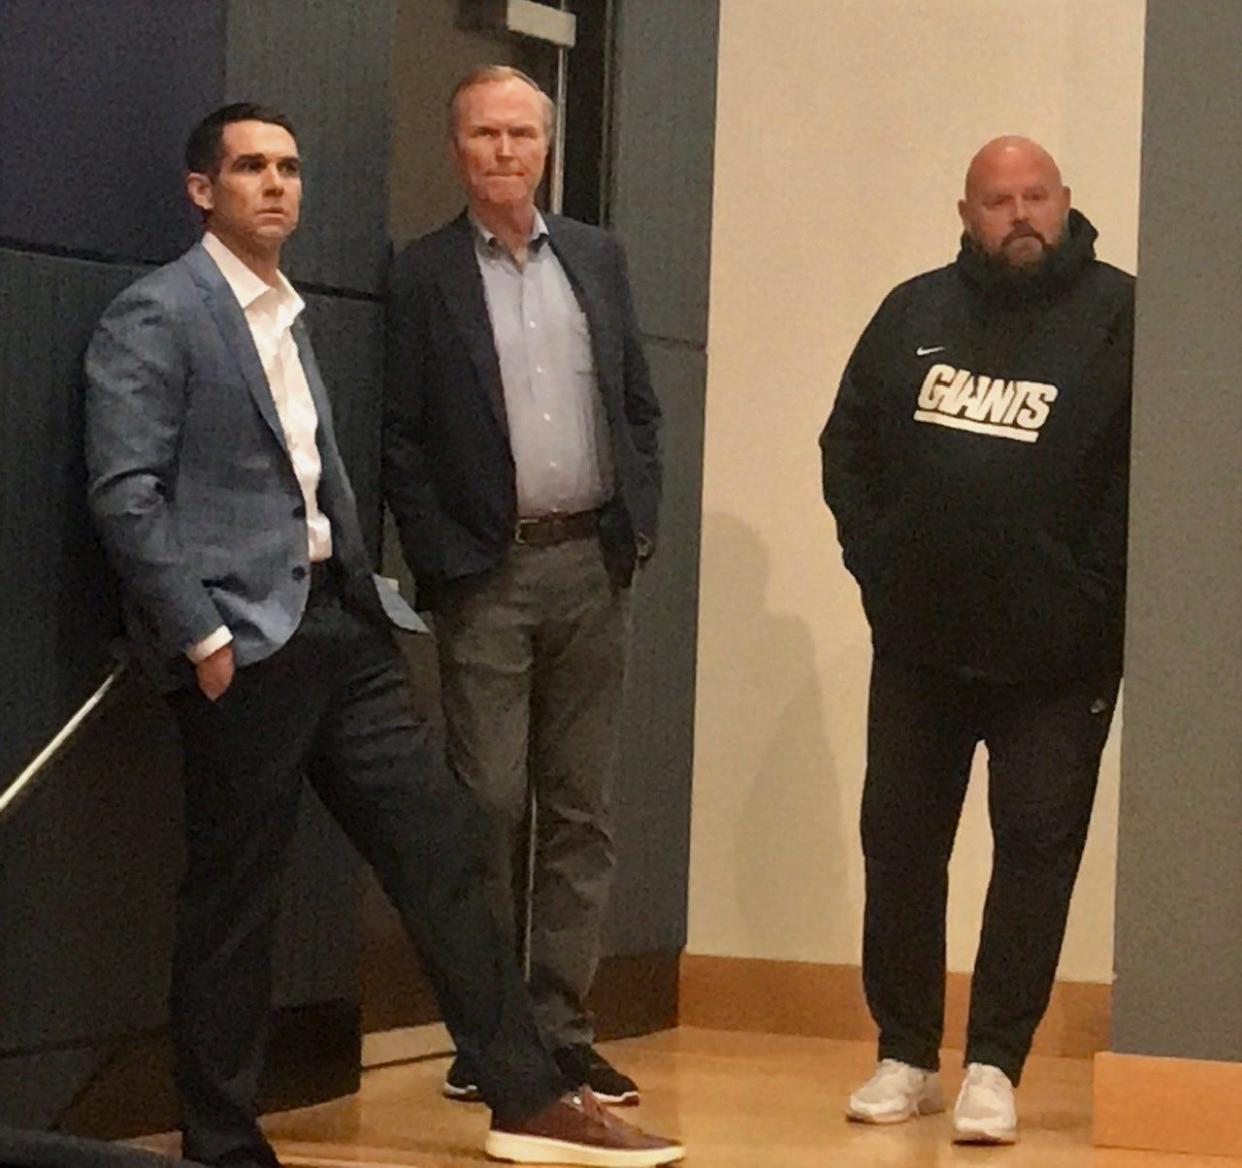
pixel 985 1112
pixel 896 1092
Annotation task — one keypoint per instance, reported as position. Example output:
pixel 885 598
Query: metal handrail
pixel 10 795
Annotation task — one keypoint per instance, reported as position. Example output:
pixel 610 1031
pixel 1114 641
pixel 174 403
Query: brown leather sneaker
pixel 576 1129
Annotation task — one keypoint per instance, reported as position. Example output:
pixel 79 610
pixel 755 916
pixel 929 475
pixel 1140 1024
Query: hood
pixel 999 282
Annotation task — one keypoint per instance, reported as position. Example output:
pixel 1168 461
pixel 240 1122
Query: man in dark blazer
pixel 219 490
pixel 521 462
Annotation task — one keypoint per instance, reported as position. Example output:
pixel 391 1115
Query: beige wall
pixel 844 127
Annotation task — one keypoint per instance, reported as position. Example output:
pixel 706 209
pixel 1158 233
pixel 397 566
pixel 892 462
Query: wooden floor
pixel 735 1099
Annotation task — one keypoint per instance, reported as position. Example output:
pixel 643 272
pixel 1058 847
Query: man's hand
pixel 215 673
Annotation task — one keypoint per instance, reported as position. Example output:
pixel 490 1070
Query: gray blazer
pixel 191 483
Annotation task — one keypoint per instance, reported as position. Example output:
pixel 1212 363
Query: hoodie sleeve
pixel 850 441
pixel 1102 552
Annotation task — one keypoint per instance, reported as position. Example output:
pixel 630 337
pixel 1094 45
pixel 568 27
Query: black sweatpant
pixel 1044 744
pixel 332 704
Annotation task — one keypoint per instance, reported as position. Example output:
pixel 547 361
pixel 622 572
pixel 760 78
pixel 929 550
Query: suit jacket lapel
pixel 335 493
pixel 231 321
pixel 592 297
pixel 314 382
pixel 462 284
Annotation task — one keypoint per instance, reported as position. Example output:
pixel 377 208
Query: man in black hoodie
pixel 976 464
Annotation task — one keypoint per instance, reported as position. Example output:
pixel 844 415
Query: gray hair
pixel 486 74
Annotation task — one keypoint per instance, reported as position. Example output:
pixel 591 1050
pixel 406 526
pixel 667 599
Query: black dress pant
pixel 1044 744
pixel 332 704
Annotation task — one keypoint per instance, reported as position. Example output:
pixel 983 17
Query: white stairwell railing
pixel 10 795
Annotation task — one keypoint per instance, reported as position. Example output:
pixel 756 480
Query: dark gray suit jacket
pixel 190 480
pixel 448 467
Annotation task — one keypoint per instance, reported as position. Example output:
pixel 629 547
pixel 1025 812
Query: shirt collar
pixel 250 288
pixel 486 237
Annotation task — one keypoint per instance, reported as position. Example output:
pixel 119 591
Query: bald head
pixel 1015 205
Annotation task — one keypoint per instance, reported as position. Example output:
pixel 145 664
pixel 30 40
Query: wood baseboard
pixel 1167 1104
pixel 636 994
pixel 313 1055
pixel 826 1001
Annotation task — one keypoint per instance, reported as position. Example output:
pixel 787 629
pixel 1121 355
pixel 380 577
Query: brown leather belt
pixel 559 527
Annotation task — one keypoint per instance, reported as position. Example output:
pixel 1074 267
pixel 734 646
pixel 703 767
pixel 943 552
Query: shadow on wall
pixel 763 706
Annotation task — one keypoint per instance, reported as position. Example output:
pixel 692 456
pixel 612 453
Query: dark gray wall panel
pixel 35 1089
pixel 90 859
pixel 1179 878
pixel 663 136
pixel 90 160
pixel 348 336
pixel 664 142
pixel 325 64
pixel 58 605
pixel 648 909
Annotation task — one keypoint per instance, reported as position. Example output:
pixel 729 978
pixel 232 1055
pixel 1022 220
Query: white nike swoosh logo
pixel 922 352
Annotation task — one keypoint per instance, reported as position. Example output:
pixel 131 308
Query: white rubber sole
pixel 996 1137
pixel 629 1099
pixel 468 1094
pixel 521 1149
pixel 923 1107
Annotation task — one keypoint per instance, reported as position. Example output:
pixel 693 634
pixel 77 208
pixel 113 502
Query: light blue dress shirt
pixel 557 428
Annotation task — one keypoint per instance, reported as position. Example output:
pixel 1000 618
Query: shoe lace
pixel 890 1068
pixel 987 1078
pixel 593 1109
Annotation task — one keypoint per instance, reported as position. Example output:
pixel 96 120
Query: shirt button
pixel 299 572
pixel 547 417
pixel 538 368
pixel 532 324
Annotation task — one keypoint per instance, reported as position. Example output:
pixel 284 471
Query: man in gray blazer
pixel 522 465
pixel 221 497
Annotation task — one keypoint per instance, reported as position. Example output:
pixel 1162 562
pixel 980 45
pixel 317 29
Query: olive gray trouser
pixel 532 661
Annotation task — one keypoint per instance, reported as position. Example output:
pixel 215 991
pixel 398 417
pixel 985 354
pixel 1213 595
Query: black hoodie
pixel 976 464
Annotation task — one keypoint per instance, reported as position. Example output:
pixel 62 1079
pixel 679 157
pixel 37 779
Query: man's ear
pixel 961 212
pixel 198 187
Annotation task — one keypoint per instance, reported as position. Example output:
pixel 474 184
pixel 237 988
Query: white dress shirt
pixel 270 311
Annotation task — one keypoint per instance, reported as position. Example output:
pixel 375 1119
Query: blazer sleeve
pixel 642 408
pixel 407 483
pixel 135 408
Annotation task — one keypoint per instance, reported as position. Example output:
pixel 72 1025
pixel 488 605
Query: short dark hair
pixel 204 147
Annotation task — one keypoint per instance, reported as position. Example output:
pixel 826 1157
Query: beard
pixel 1013 273
pixel 1035 259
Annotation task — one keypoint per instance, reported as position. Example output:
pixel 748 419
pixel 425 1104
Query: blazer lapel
pixel 592 297
pixel 462 284
pixel 231 321
pixel 335 492
pixel 314 382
